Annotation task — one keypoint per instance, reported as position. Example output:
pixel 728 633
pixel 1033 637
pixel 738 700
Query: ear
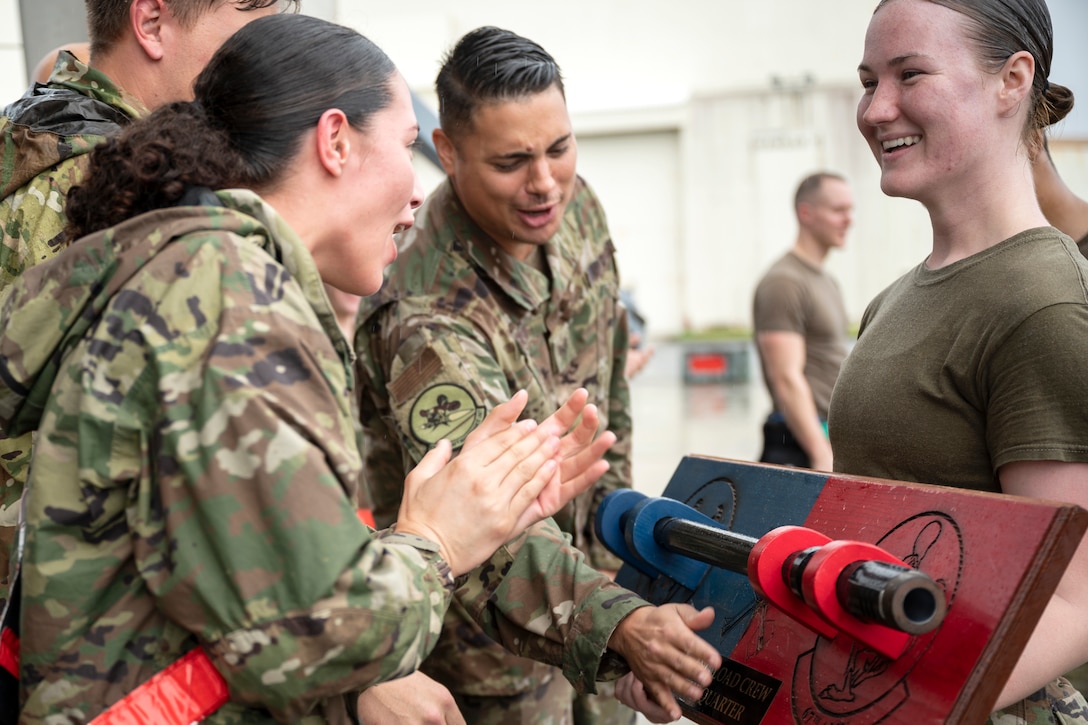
pixel 447 154
pixel 1016 79
pixel 146 20
pixel 804 213
pixel 333 141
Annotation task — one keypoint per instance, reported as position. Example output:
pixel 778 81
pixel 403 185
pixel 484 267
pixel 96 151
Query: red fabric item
pixel 9 652
pixel 186 692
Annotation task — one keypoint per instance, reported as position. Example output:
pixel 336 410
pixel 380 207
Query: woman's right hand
pixel 581 452
pixel 472 505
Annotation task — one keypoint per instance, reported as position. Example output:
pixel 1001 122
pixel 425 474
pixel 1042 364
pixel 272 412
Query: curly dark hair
pixel 259 94
pixel 149 166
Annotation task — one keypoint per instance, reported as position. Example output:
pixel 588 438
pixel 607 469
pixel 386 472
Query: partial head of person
pixel 81 50
pixel 955 88
pixel 505 139
pixel 308 114
pixel 824 204
pixel 155 48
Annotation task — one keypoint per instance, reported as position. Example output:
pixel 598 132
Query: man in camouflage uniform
pixel 507 281
pixel 158 515
pixel 139 61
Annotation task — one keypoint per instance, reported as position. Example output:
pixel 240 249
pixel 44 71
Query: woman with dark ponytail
pixel 968 370
pixel 191 496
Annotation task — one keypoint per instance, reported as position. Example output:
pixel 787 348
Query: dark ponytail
pixel 273 79
pixel 1055 103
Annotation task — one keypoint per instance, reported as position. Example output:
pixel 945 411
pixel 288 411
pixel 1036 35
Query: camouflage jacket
pixel 458 327
pixel 194 481
pixel 45 137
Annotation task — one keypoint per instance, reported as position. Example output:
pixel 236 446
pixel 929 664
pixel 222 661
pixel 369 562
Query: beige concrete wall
pixel 739 158
pixel 1071 158
pixel 695 120
pixel 12 68
pixel 636 53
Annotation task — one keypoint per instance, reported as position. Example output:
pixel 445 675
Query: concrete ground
pixel 672 419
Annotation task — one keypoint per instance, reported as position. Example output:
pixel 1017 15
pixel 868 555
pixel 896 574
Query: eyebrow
pixel 896 61
pixel 513 155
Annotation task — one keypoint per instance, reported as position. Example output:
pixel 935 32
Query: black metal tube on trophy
pixel 717 547
pixel 893 595
pixel 897 596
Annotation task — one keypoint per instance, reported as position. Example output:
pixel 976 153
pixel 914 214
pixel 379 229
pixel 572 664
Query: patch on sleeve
pixel 444 411
pixel 414 376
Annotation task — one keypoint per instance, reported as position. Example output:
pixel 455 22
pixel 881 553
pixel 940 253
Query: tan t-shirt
pixel 796 296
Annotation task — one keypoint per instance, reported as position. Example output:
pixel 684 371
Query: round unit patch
pixel 445 411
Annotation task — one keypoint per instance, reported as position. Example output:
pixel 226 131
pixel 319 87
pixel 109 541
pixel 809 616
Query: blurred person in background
pixel 800 326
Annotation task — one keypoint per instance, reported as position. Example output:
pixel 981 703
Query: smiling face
pixel 514 169
pixel 379 199
pixel 928 110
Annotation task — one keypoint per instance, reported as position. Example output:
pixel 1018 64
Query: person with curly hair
pixel 142 53
pixel 192 495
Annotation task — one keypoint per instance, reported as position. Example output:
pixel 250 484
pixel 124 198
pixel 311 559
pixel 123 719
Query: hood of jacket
pixel 68 116
pixel 53 304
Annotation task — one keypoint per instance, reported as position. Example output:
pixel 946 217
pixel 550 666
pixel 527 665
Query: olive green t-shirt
pixel 960 370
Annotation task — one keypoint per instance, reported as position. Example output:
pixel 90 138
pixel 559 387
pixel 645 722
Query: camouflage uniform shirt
pixel 458 327
pixel 46 135
pixel 194 481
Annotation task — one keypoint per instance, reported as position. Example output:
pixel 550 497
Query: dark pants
pixel 779 445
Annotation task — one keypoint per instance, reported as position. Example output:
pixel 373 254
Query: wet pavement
pixel 673 419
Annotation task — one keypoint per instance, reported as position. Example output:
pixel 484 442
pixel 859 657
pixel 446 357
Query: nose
pixel 417 195
pixel 408 217
pixel 877 107
pixel 541 181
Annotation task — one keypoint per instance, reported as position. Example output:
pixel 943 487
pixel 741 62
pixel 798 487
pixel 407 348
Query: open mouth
pixel 901 142
pixel 537 217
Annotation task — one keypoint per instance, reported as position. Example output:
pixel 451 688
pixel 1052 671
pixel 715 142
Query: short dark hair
pixel 259 94
pixel 490 64
pixel 106 19
pixel 809 188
